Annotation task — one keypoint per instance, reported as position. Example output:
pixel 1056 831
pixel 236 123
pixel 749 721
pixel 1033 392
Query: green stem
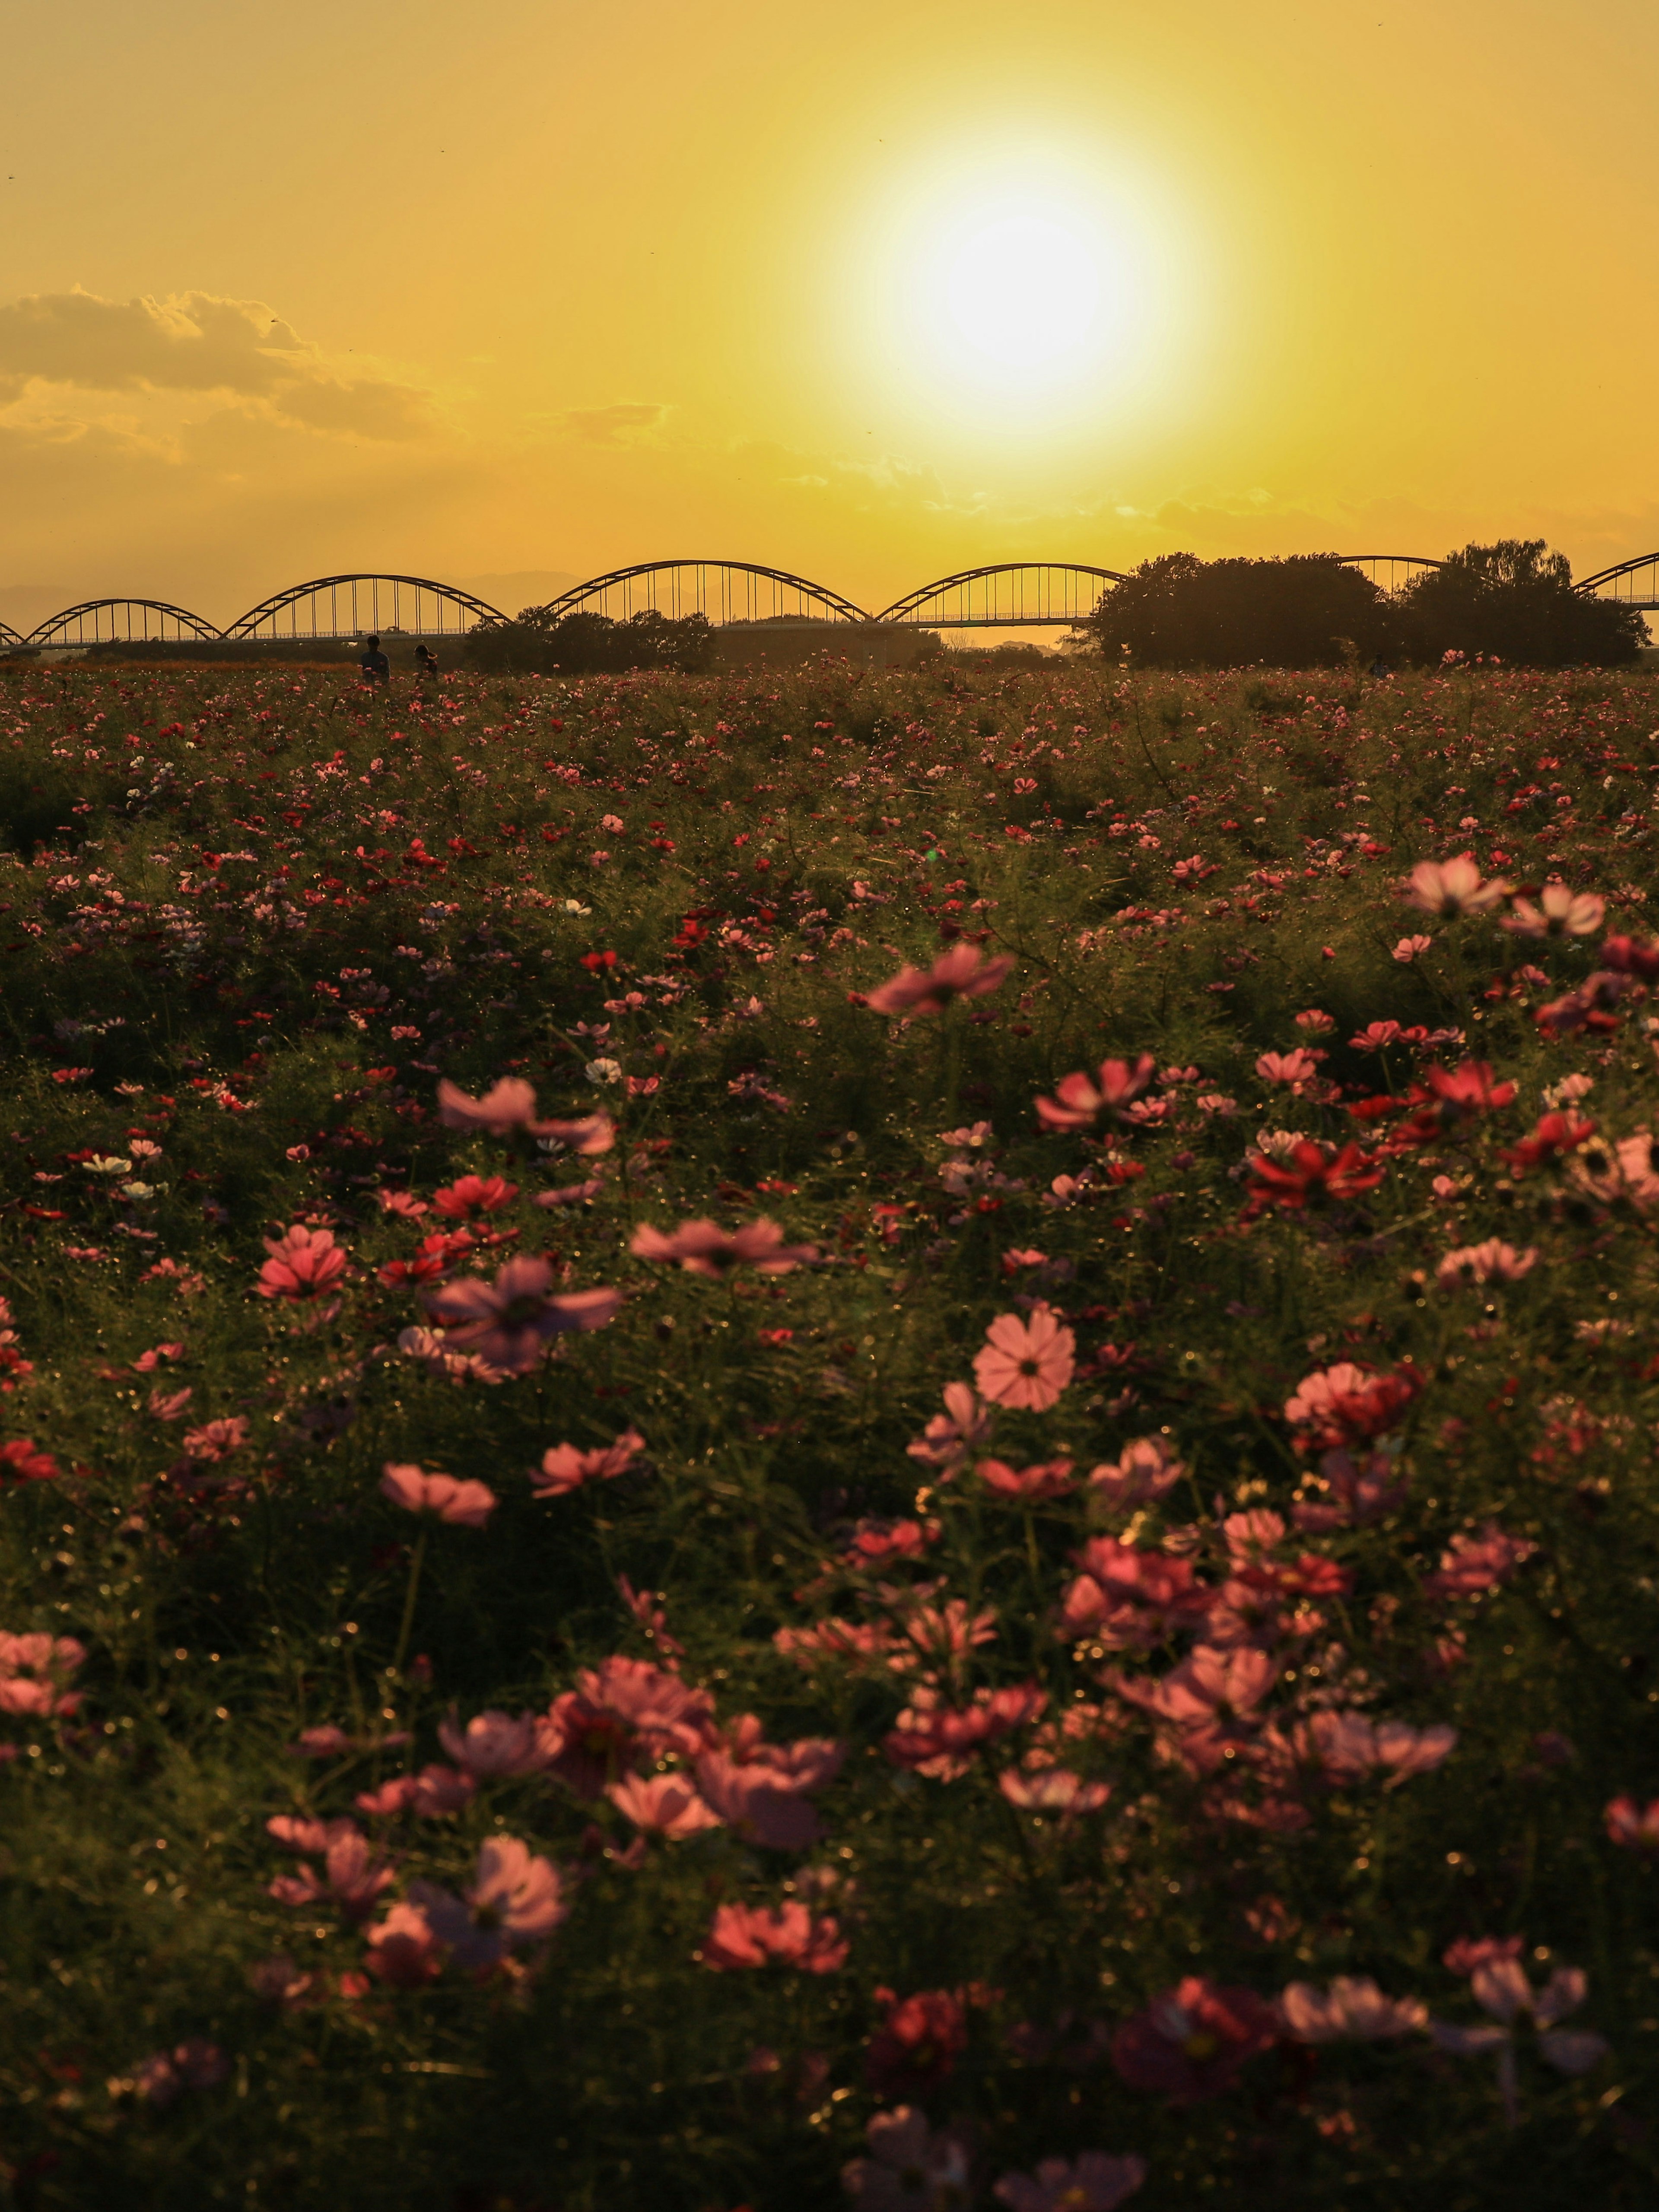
pixel 408 1622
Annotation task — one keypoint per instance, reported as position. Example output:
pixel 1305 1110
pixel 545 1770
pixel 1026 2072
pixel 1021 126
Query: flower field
pixel 845 1440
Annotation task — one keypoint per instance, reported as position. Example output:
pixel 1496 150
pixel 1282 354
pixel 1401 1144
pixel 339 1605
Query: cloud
pixel 196 343
pixel 611 426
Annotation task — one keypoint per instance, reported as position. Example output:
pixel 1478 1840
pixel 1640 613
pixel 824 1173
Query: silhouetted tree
pixel 1177 611
pixel 1515 600
pixel 583 644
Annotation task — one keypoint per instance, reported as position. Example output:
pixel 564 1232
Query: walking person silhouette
pixel 376 668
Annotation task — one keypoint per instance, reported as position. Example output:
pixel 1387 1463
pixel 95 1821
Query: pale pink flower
pixel 666 1803
pixel 513 1898
pixel 353 1875
pixel 1027 1486
pixel 303 1264
pixel 1294 1069
pixel 1559 913
pixel 492 1744
pixel 1452 887
pixel 510 1322
pixel 1026 1363
pixel 949 1438
pixel 511 1104
pixel 1144 1471
pixel 1080 1100
pixel 759 1804
pixel 33 1669
pixel 1052 1790
pixel 1316 1022
pixel 1501 1988
pixel 1349 1746
pixel 959 973
pixel 1480 1562
pixel 465 1504
pixel 564 1468
pixel 1635 1826
pixel 402 1951
pixel 169 1405
pixel 1411 948
pixel 1096 2182
pixel 703 1247
pixel 217 1440
pixel 435 1791
pixel 911 2167
pixel 403 1203
pixel 741 1935
pixel 1354 2010
pixel 1492 1262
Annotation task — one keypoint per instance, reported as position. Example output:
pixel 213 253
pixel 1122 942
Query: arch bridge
pixel 725 592
pixel 123 622
pixel 349 606
pixel 1390 572
pixel 1633 583
pixel 1006 595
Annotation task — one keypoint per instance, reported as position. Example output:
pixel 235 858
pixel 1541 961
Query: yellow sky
pixel 535 289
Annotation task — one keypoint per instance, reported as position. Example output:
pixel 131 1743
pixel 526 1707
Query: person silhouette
pixel 376 668
pixel 425 660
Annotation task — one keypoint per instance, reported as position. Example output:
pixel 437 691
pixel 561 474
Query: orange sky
pixel 524 292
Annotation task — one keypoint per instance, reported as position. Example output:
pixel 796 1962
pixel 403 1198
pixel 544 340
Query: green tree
pixel 1514 601
pixel 1308 611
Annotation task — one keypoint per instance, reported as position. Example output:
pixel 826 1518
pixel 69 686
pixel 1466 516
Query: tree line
pixel 540 642
pixel 1512 602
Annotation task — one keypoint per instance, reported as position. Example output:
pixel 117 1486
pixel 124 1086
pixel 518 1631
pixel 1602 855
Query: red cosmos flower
pixel 473 1194
pixel 510 1322
pixel 939 1740
pixel 1314 1175
pixel 303 1264
pixel 21 1461
pixel 1193 2041
pixel 1130 1598
pixel 743 1936
pixel 1082 1099
pixel 1026 1485
pixel 1626 957
pixel 703 1247
pixel 1554 1134
pixel 916 2046
pixel 1347 1404
pixel 960 973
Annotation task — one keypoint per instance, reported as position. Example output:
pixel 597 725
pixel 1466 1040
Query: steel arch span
pixel 8 635
pixel 724 590
pixel 123 622
pixel 1633 583
pixel 1375 565
pixel 347 606
pixel 1009 595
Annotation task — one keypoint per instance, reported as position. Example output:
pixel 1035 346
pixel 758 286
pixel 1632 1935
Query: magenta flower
pixel 303 1264
pixel 1193 2041
pixel 960 973
pixel 1501 1988
pixel 1052 1790
pixel 492 1744
pixel 1097 2183
pixel 1081 1099
pixel 508 1323
pixel 564 1468
pixel 1474 1564
pixel 1349 1746
pixel 511 1900
pixel 742 1936
pixel 165 2075
pixel 911 2167
pixel 217 1440
pixel 464 1504
pixel 1026 1363
pixel 703 1247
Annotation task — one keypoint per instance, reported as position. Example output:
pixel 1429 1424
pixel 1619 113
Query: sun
pixel 1025 294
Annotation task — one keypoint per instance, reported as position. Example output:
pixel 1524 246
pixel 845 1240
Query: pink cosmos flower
pixel 353 1875
pixel 1210 1698
pixel 949 1438
pixel 703 1247
pixel 464 1504
pixel 933 1738
pixel 1144 1471
pixel 917 2044
pixel 1131 1596
pixel 402 1951
pixel 492 1744
pixel 564 1468
pixel 1052 1790
pixel 911 2167
pixel 1453 887
pixel 1635 1826
pixel 1409 948
pixel 1501 1988
pixel 1349 1746
pixel 471 1194
pixel 1360 1493
pixel 1081 1099
pixel 665 1803
pixel 1096 2182
pixel 741 1935
pixel 622 1712
pixel 33 1669
pixel 1559 913
pixel 217 1440
pixel 1193 2041
pixel 1352 2009
pixel 303 1264
pixel 512 1899
pixel 1478 1562
pixel 169 1405
pixel 403 1203
pixel 510 1322
pixel 1026 1363
pixel 1347 1404
pixel 1492 1262
pixel 1469 1951
pixel 510 1104
pixel 433 1792
pixel 757 1803
pixel 1295 1069
pixel 1027 1486
pixel 959 973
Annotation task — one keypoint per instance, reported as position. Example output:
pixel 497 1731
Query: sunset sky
pixel 511 295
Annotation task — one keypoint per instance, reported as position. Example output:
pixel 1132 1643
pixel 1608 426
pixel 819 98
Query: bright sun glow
pixel 1025 292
